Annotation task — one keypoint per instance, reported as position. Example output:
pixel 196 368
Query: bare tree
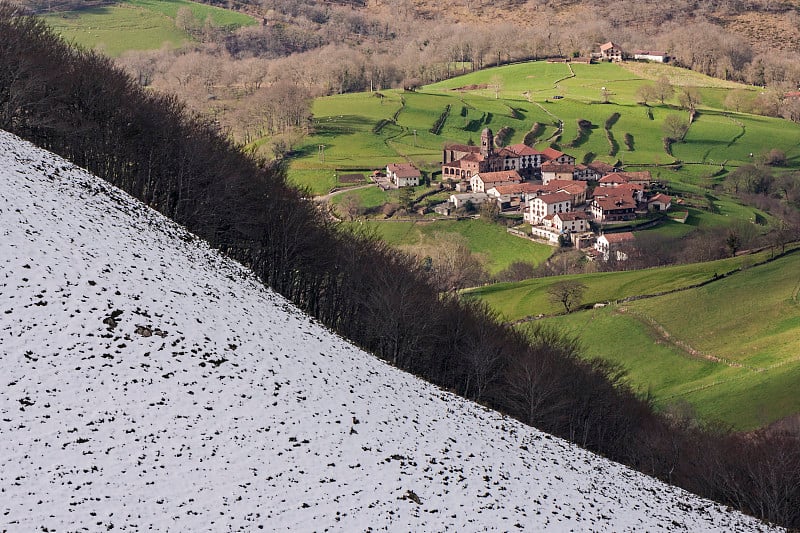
pixel 664 89
pixel 675 126
pixel 647 93
pixel 737 100
pixel 567 293
pixel 689 97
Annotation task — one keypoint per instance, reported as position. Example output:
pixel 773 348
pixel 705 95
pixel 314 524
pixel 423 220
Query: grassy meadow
pixel 729 348
pixel 490 242
pixel 530 298
pixel 137 24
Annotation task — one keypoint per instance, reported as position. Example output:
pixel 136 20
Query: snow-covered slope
pixel 149 383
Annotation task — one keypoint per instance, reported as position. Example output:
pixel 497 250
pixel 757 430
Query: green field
pixel 731 348
pixel 137 24
pixel 366 131
pixel 529 298
pixel 497 248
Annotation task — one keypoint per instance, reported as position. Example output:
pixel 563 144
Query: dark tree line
pixel 77 104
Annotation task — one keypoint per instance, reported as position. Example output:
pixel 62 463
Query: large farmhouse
pixel 547 204
pixel 611 52
pixel 613 208
pixel 403 174
pixel 484 181
pixel 461 161
pixel 618 245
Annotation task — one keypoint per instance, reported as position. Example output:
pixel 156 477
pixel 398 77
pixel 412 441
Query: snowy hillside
pixel 149 383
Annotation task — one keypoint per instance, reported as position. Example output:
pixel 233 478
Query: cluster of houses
pixel 561 200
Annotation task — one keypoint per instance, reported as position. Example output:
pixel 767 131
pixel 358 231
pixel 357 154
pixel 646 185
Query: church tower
pixel 487 143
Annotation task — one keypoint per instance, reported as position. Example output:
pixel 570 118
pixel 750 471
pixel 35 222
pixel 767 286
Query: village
pixel 561 202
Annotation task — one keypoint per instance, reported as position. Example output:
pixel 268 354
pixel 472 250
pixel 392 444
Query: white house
pixel 557 171
pixel 571 222
pixel 529 158
pixel 551 154
pixel 585 172
pixel 650 55
pixel 484 181
pixel 513 194
pixel 403 174
pixel 611 52
pixel 619 244
pixel 547 204
pixel 475 198
pixel 659 202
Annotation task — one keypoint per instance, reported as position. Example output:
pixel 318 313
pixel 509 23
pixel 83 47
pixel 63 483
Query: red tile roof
pixel 661 198
pixel 600 166
pixel 552 166
pixel 523 149
pixel 555 197
pixel 611 203
pixel 505 152
pixel 571 215
pixel 576 185
pixel 552 153
pixel 625 177
pixel 517 188
pixel 643 175
pixel 472 157
pixel 403 170
pixel 503 176
pixel 618 238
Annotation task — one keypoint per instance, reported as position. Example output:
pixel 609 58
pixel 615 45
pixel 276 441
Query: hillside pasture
pixel 734 363
pixel 117 28
pixel 346 124
pixel 530 298
pixel 137 24
pixel 491 243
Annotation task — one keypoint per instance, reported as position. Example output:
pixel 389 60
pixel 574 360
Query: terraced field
pixel 363 130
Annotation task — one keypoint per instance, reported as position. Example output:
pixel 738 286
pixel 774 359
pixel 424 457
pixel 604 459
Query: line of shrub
pixel 629 142
pixel 515 113
pixel 501 137
pixel 436 129
pixel 584 130
pixel 668 142
pixel 376 129
pixel 610 121
pixel 536 130
pixel 612 142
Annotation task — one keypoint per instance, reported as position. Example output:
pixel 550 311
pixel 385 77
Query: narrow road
pixel 327 197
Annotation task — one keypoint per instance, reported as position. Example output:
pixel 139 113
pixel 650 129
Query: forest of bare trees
pixel 81 106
